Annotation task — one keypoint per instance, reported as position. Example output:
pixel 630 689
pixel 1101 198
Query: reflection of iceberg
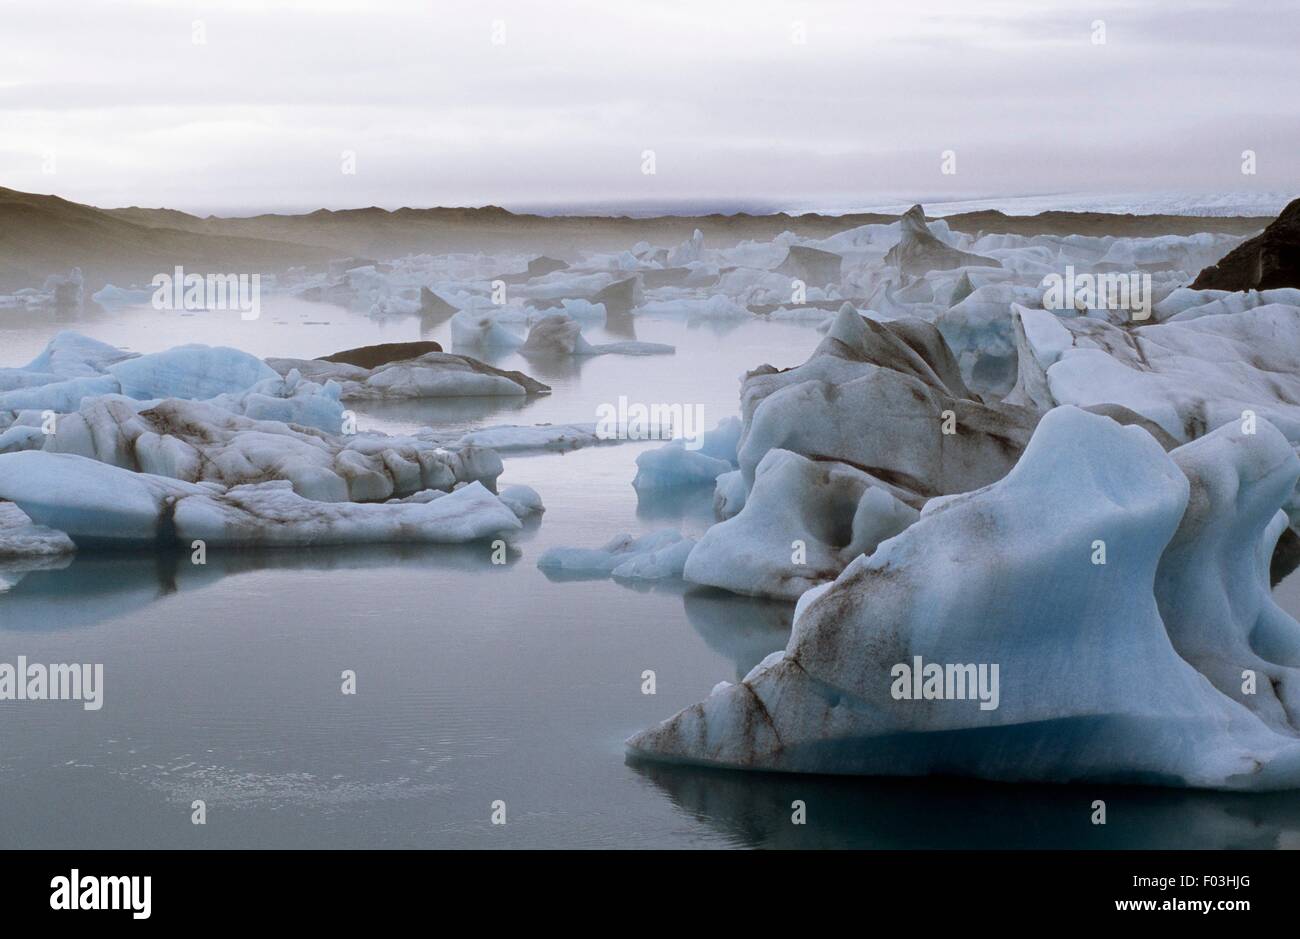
pixel 744 629
pixel 754 809
pixel 682 504
pixel 94 588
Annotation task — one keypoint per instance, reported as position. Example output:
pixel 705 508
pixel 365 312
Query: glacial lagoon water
pixel 475 682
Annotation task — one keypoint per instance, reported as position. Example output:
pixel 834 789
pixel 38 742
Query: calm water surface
pixel 475 682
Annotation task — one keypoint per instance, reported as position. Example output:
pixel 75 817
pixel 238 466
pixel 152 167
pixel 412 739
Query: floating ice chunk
pixel 674 464
pixel 980 332
pixel 812 266
pixel 1212 584
pixel 432 375
pixel 72 355
pixel 890 423
pixel 522 500
pixel 1184 298
pixel 20 537
pixel 73 367
pixel 663 564
pixel 273 514
pixel 94 503
pixel 59 396
pixel 1237 303
pixel 193 372
pixel 65 290
pixel 729 494
pixel 802 522
pixel 512 438
pixel 101 505
pixel 482 330
pixel 718 306
pixel 1087 684
pixel 1187 377
pixel 655 556
pixel 21 437
pixel 561 335
pixel 918 250
pixel 111 296
pixel 584 310
pixel 690 250
pixel 197 441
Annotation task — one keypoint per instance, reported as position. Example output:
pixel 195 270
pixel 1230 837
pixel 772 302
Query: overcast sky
pixel 122 104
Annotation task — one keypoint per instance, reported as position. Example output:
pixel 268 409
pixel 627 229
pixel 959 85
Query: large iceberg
pixel 1025 631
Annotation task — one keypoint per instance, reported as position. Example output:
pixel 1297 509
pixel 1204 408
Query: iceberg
pixel 560 335
pixel 193 371
pixel 674 464
pixel 1188 377
pixel 1090 685
pixel 482 330
pixel 432 375
pixel 197 441
pixel 918 251
pixel 98 505
pixel 20 537
pixel 657 556
pixel 801 523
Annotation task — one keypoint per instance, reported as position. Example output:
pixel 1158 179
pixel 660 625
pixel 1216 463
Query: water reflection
pixel 754 809
pixel 744 629
pixel 679 504
pixel 448 415
pixel 92 588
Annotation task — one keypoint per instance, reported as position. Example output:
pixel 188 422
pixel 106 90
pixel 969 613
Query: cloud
pixel 258 114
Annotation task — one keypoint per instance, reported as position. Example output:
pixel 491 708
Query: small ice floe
pixel 659 555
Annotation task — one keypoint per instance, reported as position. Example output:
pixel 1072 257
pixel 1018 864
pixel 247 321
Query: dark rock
pixel 382 354
pixel 1269 260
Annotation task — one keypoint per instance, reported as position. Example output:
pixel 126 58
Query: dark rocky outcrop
pixel 1269 260
pixel 381 354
